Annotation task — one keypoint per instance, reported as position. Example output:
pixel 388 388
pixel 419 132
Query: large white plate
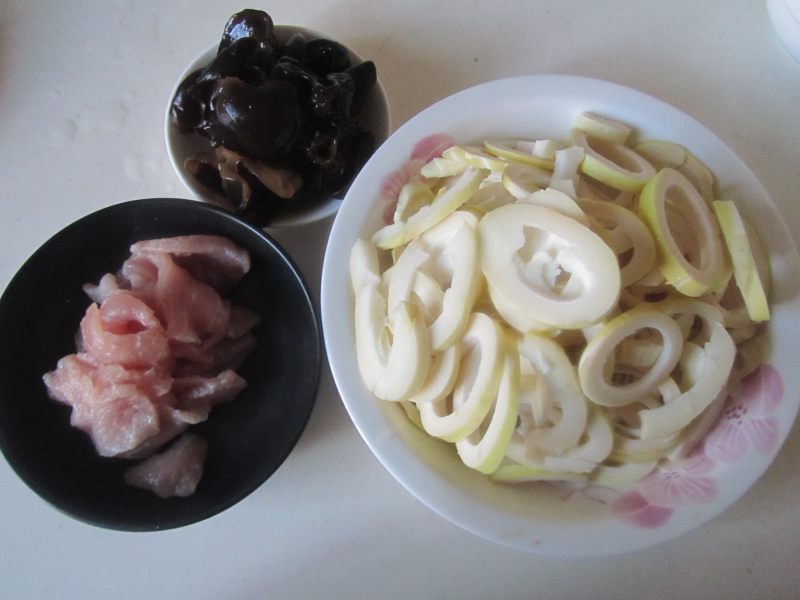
pixel 544 519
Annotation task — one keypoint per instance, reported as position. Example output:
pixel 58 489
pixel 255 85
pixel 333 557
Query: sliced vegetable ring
pixel 561 311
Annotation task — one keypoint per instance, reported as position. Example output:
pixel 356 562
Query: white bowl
pixel 785 17
pixel 375 119
pixel 542 519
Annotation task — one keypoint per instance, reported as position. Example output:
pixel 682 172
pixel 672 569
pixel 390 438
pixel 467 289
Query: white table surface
pixel 83 88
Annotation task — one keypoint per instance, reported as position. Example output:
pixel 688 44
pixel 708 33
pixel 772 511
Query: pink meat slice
pixel 117 407
pixel 197 395
pixel 212 259
pixel 241 321
pixel 156 353
pixel 174 472
pixel 171 421
pixel 191 311
pixel 227 353
pixel 107 286
pixel 139 273
pixel 125 331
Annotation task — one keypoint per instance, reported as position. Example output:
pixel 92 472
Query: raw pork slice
pixel 157 352
pixel 212 259
pixel 138 273
pixel 192 312
pixel 107 286
pixel 125 331
pixel 226 354
pixel 198 395
pixel 117 407
pixel 175 472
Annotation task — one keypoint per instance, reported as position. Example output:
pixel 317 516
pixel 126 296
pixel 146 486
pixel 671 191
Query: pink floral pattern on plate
pixel 684 482
pixel 636 510
pixel 746 421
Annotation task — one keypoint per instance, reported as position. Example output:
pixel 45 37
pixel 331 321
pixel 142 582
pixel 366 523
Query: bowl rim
pixel 30 479
pixel 385 441
pixel 171 135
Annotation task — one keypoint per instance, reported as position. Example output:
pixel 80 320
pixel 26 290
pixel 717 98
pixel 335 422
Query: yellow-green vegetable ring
pixel 702 273
pixel 483 450
pixel 599 351
pixel 614 164
pixel 481 362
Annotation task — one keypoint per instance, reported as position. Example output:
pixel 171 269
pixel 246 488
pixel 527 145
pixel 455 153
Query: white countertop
pixel 83 89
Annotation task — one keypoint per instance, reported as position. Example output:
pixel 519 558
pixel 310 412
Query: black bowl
pixel 247 439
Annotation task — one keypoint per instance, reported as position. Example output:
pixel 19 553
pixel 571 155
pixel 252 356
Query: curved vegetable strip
pixel 680 308
pixel 412 413
pixel 441 376
pixel 396 372
pixel 599 352
pixel 565 170
pixel 636 450
pixel 512 472
pixel 490 196
pixel 454 195
pixel 533 394
pixel 585 457
pixel 559 202
pixel 709 269
pixel 750 354
pixel 363 265
pixel 661 154
pixel 745 270
pixel 522 180
pixel 515 315
pixel 519 453
pixel 628 445
pixel 700 176
pixel 717 360
pixel 520 151
pixel 392 371
pixel 413 196
pixel 644 248
pixel 429 295
pixel 474 156
pixel 612 163
pixel 480 367
pixel 614 236
pixel 453 244
pixel 403 276
pixel 526 250
pixel 602 128
pixel 760 257
pixel 557 377
pixel 692 435
pixel 622 473
pixel 483 450
pixel 439 167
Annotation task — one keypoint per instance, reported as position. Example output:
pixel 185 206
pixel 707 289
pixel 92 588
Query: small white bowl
pixel 543 519
pixel 785 17
pixel 375 118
